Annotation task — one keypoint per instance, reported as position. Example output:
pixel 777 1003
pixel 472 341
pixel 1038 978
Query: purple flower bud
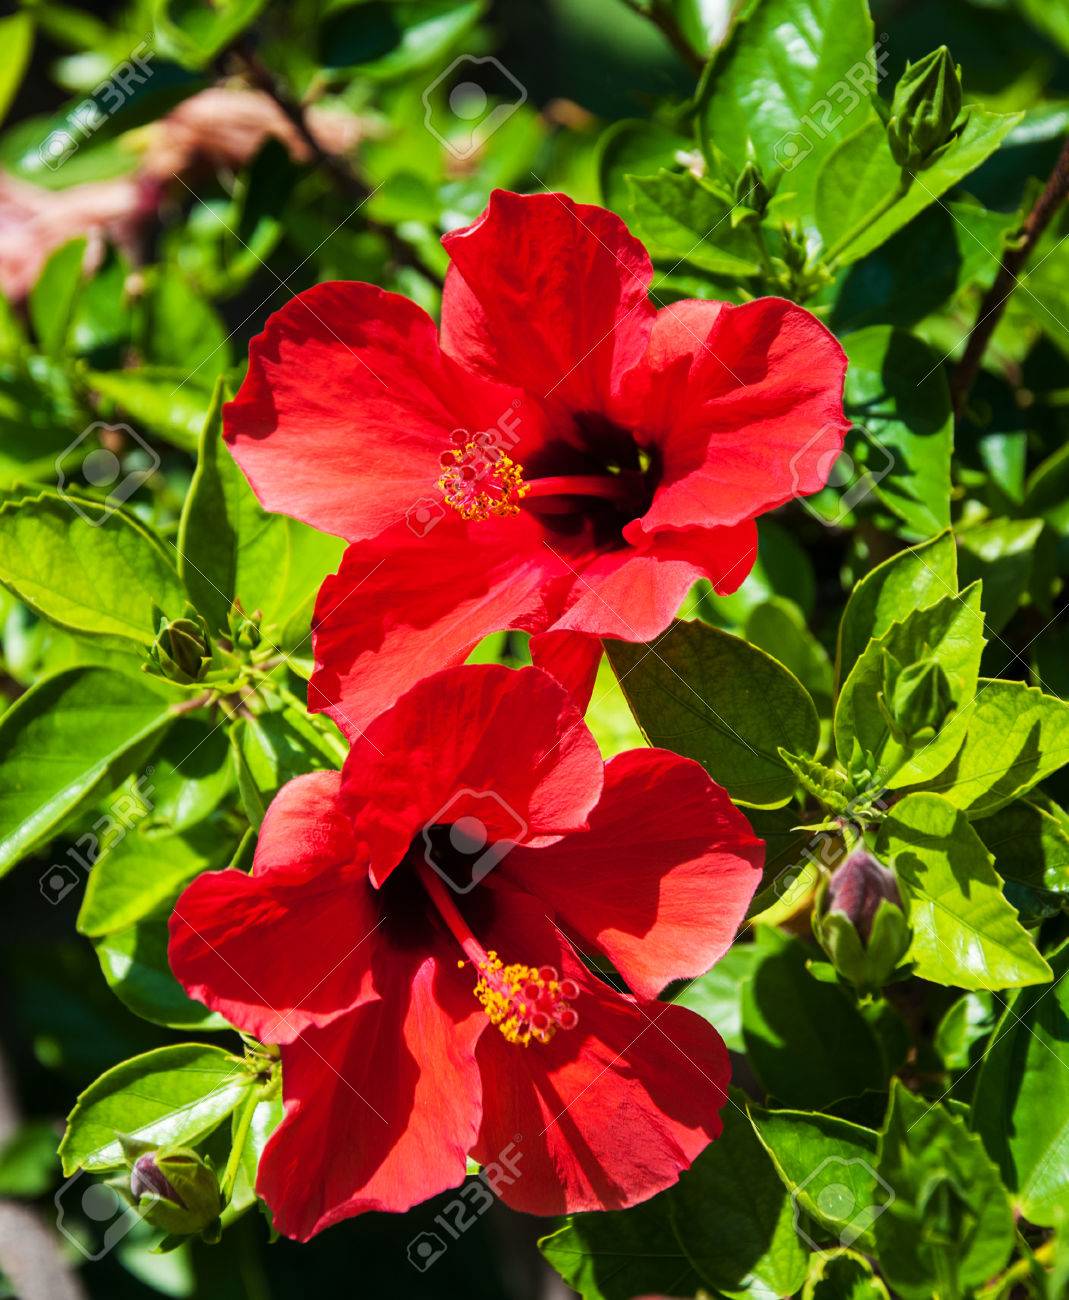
pixel 858 887
pixel 146 1176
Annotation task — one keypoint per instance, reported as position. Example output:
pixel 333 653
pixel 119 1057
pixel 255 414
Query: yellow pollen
pixel 525 1002
pixel 479 481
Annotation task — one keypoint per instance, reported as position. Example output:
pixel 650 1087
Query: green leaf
pixel 795 76
pixel 231 549
pixel 949 1227
pixel 913 579
pixel 193 34
pixel 134 963
pixel 778 627
pixel 1016 737
pixel 950 632
pixel 164 401
pixel 962 1031
pixel 16 40
pixel 1000 553
pixel 806 1039
pixel 87 567
pixel 783 568
pixel 181 329
pixel 190 773
pixel 858 177
pixel 265 1119
pixel 387 40
pixel 717 995
pixel 828 1166
pixel 897 396
pixel 681 219
pixel 1021 1106
pixel 53 297
pixel 634 148
pixel 842 1275
pixel 732 1185
pixel 63 743
pixel 713 697
pixel 618 1254
pixel 144 870
pixel 965 933
pixel 171 1096
pixel 1030 842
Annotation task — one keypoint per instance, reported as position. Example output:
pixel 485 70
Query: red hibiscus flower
pixel 562 458
pixel 410 933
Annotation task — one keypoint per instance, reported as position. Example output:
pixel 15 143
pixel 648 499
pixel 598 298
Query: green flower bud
pixel 752 195
pixel 859 922
pixel 926 104
pixel 182 649
pixel 244 628
pixel 176 1191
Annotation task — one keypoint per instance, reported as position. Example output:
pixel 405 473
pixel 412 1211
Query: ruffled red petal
pixel 745 406
pixel 381 1107
pixel 291 945
pixel 606 1114
pixel 348 405
pixel 661 881
pixel 548 294
pixel 507 748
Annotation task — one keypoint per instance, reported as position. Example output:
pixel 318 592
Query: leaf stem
pixel 230 1173
pixel 1014 257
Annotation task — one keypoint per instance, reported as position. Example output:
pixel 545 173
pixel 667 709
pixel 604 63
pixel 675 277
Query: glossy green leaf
pixel 1029 839
pixel 618 1254
pixel 64 743
pixel 778 627
pixel 733 1216
pixel 173 1095
pixel 806 1039
pixel 634 148
pixel 913 579
pixel 1016 737
pixel 16 40
pixel 842 1275
pixel 965 933
pixel 1000 553
pixel 231 549
pixel 681 219
pixel 795 77
pixel 190 773
pixel 86 567
pixel 715 698
pixel 949 632
pixel 1021 1106
pixel 717 995
pixel 144 870
pixel 897 396
pixel 134 963
pixel 387 40
pixel 167 402
pixel 857 178
pixel 828 1166
pixel 950 1217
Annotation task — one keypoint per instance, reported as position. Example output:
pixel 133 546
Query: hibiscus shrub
pixel 533 544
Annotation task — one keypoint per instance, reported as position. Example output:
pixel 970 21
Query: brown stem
pixel 663 16
pixel 1013 259
pixel 345 179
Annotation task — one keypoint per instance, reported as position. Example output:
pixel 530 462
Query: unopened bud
pixel 859 921
pixel 183 1193
pixel 182 649
pixel 752 195
pixel 926 104
pixel 916 700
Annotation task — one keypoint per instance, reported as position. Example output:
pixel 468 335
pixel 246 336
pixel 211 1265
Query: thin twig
pixel 663 16
pixel 345 179
pixel 1013 259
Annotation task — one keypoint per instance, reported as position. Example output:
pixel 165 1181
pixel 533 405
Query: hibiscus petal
pixel 744 404
pixel 507 748
pixel 403 606
pixel 291 945
pixel 381 1107
pixel 572 658
pixel 549 294
pixel 347 406
pixel 661 881
pixel 606 1114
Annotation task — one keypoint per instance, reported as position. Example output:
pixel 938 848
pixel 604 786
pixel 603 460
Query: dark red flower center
pixel 524 1001
pixel 599 476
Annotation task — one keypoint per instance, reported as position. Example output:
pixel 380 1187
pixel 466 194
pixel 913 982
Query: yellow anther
pixel 525 1002
pixel 479 481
